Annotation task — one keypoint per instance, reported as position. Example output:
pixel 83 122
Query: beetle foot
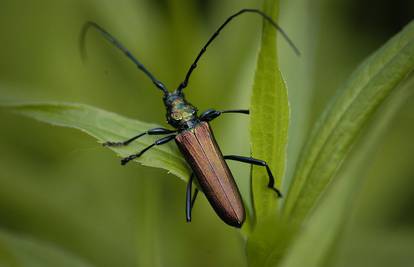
pixel 113 144
pixel 279 194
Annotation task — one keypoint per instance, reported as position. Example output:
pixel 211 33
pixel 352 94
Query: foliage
pixel 308 226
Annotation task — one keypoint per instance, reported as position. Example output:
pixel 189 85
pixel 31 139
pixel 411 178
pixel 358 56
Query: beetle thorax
pixel 180 113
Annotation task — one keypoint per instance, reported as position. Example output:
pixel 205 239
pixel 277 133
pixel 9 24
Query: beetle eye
pixel 176 116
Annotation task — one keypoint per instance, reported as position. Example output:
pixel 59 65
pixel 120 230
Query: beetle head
pixel 180 113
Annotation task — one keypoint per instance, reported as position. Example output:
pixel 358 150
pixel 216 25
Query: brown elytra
pixel 202 153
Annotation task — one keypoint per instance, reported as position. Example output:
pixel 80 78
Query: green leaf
pixel 107 126
pixel 326 226
pixel 269 119
pixel 269 132
pixel 16 251
pixel 337 129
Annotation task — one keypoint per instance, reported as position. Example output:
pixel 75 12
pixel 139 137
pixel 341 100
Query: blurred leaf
pixel 107 126
pixel 269 132
pixel 326 226
pixel 16 251
pixel 332 137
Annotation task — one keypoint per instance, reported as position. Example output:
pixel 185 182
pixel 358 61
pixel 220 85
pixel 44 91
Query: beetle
pixel 194 137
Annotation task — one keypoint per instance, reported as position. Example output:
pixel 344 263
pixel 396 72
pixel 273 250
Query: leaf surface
pixel 108 126
pixel 268 133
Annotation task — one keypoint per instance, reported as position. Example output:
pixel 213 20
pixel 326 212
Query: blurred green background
pixel 61 187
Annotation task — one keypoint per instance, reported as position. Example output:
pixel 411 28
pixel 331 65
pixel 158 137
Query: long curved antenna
pixel 115 42
pixel 247 10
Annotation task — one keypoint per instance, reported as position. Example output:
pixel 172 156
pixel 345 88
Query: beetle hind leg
pixel 257 162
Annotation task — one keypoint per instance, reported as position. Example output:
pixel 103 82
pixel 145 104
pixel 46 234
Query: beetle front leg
pixel 257 162
pixel 156 143
pixel 154 131
pixel 211 114
pixel 189 201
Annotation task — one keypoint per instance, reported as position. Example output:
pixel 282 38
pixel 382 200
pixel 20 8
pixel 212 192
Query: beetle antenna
pixel 216 33
pixel 115 42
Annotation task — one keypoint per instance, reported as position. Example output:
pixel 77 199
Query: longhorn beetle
pixel 194 136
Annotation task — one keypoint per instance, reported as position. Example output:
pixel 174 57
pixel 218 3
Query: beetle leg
pixel 188 198
pixel 156 143
pixel 154 131
pixel 211 114
pixel 189 203
pixel 257 162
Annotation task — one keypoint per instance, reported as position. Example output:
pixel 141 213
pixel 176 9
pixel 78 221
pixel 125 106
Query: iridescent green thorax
pixel 180 113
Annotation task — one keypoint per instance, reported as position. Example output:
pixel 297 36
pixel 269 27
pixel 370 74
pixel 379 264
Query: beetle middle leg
pixel 189 201
pixel 211 114
pixel 257 162
pixel 156 143
pixel 154 131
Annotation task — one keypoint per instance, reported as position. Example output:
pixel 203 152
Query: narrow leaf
pixel 367 89
pixel 269 119
pixel 269 132
pixel 107 126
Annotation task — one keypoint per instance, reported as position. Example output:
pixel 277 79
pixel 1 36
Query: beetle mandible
pixel 195 138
